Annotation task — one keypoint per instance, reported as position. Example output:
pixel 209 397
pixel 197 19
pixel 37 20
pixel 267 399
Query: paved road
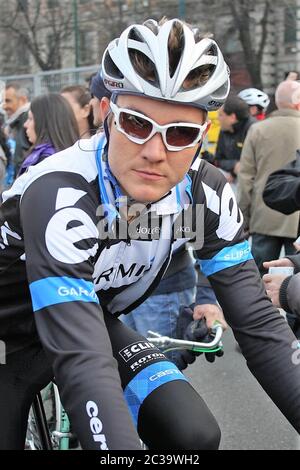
pixel 247 417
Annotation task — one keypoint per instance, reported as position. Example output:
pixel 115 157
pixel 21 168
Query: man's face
pixel 254 111
pixel 147 172
pixel 226 120
pixel 12 101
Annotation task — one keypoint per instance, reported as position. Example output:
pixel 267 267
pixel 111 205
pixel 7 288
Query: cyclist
pixel 257 100
pixel 164 78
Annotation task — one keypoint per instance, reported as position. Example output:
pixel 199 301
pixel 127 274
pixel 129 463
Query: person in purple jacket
pixel 50 127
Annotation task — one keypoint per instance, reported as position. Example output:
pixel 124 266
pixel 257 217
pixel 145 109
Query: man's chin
pixel 146 196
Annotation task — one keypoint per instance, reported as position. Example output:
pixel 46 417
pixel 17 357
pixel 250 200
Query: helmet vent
pixel 176 45
pixel 212 50
pixel 143 66
pixel 135 35
pixel 198 76
pixel 111 68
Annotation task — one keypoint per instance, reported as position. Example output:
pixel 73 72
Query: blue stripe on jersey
pixel 178 197
pixel 226 258
pixel 57 290
pixel 188 188
pixel 148 380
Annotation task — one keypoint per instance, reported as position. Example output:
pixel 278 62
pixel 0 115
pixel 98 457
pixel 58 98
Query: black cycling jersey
pixel 59 270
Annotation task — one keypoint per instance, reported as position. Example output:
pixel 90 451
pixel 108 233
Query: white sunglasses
pixel 139 129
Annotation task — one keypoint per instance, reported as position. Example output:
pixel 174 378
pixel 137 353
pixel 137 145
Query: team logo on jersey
pixel 5 231
pixel 135 348
pixel 69 228
pixel 145 360
pixel 230 216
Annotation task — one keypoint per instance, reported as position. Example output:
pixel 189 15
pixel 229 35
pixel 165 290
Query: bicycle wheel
pixel 38 433
pixel 48 424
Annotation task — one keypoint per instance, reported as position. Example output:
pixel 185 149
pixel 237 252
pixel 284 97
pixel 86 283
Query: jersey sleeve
pixel 265 338
pixel 58 214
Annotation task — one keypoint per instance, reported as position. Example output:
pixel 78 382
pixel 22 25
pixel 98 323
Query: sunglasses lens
pixel 135 126
pixel 181 136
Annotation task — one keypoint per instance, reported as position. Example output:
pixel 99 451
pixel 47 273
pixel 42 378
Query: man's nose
pixel 155 149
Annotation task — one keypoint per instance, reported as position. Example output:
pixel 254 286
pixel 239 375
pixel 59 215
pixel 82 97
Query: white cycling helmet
pixel 167 82
pixel 255 97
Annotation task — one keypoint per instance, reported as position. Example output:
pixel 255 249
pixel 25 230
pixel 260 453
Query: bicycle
pixel 48 423
pixel 45 433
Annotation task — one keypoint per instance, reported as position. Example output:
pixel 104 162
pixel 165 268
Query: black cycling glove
pixel 192 330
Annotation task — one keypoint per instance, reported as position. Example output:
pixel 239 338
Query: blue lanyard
pixel 110 211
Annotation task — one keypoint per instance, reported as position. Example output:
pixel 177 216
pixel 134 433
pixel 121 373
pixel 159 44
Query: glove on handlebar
pixel 192 330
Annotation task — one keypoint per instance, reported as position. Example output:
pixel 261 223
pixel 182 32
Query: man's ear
pixel 233 117
pixel 207 129
pixel 86 110
pixel 23 100
pixel 104 107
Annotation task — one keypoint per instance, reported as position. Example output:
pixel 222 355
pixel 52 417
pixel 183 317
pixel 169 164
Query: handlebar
pixel 170 344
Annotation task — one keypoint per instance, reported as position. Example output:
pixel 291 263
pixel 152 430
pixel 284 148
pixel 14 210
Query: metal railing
pixel 52 80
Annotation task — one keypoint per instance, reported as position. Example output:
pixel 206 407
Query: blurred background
pixel 48 44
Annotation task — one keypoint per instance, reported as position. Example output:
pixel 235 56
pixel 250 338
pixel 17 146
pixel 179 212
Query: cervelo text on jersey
pixel 96 425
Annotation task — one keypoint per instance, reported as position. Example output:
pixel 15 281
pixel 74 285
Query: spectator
pixel 268 146
pixel 16 106
pixel 284 290
pixel 98 91
pixel 282 191
pixel 257 100
pixel 79 98
pixel 4 157
pixel 235 120
pixel 50 127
